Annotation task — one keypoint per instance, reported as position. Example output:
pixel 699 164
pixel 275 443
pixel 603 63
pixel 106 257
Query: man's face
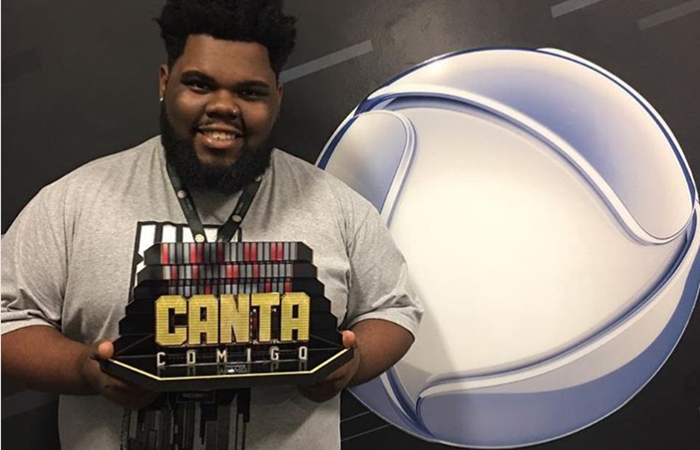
pixel 221 99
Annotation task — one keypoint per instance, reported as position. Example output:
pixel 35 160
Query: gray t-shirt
pixel 67 262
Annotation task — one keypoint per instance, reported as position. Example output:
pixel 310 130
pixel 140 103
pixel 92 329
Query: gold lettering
pixel 235 319
pixel 265 302
pixel 164 305
pixel 203 319
pixel 226 320
pixel 290 321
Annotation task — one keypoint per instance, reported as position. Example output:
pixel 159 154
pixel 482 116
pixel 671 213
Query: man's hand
pixel 120 392
pixel 378 345
pixel 338 380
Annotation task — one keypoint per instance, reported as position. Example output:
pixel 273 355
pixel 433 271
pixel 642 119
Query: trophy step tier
pixel 152 289
pixel 229 252
pixel 143 371
pixel 228 271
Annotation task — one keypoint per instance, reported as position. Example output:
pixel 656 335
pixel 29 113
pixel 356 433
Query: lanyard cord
pixel 230 227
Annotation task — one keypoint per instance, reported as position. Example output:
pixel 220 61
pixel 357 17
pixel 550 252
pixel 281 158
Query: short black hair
pixel 260 21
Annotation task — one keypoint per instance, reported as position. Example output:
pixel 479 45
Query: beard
pixel 224 179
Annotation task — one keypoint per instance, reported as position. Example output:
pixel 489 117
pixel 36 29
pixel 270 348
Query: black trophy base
pixel 215 420
pixel 143 371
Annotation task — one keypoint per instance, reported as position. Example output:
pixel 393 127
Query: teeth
pixel 219 135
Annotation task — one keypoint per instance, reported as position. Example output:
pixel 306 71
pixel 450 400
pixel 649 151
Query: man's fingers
pixel 317 393
pixel 126 394
pixel 326 389
pixel 122 392
pixel 336 381
pixel 349 339
pixel 105 350
pixel 339 374
pixel 115 384
pixel 102 350
pixel 131 387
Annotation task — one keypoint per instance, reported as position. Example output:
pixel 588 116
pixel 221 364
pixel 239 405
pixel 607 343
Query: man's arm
pixel 42 359
pixel 34 277
pixel 382 312
pixel 378 345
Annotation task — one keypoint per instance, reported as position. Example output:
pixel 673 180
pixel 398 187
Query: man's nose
pixel 224 104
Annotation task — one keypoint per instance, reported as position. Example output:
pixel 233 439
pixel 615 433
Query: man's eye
pixel 253 93
pixel 198 85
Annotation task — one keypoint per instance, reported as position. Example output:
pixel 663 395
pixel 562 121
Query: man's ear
pixel 280 95
pixel 280 90
pixel 163 76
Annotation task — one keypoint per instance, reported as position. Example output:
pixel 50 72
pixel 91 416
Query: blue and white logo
pixel 548 217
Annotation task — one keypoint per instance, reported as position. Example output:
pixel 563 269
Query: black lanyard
pixel 230 227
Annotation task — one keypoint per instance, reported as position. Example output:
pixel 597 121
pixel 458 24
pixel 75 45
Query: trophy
pixel 208 321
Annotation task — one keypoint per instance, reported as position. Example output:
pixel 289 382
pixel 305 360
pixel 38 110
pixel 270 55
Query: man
pixel 68 260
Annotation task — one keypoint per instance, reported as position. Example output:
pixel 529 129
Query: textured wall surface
pixel 79 80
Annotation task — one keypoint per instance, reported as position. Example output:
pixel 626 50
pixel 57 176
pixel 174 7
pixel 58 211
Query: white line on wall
pixel 669 14
pixel 326 61
pixel 568 6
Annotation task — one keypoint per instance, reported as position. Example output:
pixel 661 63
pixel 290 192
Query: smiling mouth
pixel 220 135
pixel 219 140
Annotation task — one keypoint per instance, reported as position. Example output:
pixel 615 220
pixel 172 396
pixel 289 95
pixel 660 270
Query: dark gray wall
pixel 80 81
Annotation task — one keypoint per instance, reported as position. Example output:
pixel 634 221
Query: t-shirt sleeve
pixel 34 265
pixel 379 287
